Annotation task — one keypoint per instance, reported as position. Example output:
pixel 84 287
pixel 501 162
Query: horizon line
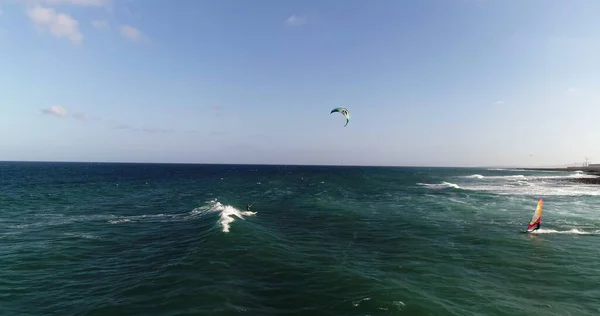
pixel 281 164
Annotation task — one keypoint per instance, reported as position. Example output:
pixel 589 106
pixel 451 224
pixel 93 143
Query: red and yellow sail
pixel 537 216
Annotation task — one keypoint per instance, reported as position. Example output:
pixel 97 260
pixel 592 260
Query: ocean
pixel 169 239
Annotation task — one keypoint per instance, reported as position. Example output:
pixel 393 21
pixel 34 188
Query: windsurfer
pixel 536 220
pixel 536 227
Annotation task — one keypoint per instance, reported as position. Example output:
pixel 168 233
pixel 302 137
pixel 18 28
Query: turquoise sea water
pixel 154 239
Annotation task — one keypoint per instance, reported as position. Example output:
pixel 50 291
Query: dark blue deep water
pixel 159 239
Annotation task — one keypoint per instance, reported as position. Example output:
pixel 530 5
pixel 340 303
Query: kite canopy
pixel 344 112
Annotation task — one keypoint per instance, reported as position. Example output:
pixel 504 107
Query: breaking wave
pixel 227 216
pixel 537 189
pixel 442 185
pixel 478 176
pixel 531 177
pixel 522 184
pixel 475 176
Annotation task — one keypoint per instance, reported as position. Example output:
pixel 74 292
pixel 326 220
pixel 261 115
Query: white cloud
pixel 58 24
pixel 499 102
pixel 157 130
pixel 295 20
pixel 62 112
pixel 571 90
pixel 55 110
pixel 100 24
pixel 132 33
pixel 84 117
pixel 95 3
pixel 2 31
pixel 59 111
pixel 125 127
pixel 120 126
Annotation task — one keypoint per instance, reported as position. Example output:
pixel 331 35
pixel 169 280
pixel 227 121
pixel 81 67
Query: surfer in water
pixel 248 207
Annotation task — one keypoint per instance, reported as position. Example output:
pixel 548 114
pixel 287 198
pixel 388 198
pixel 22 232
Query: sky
pixel 428 83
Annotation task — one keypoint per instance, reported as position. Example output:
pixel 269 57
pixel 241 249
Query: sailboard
pixel 536 220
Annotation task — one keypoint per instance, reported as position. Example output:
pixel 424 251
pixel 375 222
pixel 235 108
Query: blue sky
pixel 437 82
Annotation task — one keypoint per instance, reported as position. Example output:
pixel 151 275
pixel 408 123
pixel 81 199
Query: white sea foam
pixel 520 184
pixel 82 235
pixel 509 177
pixel 118 221
pixel 536 189
pixel 573 231
pixel 443 185
pixel 576 174
pixel 113 219
pixel 475 176
pixel 227 213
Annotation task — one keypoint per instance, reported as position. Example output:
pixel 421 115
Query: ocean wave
pixel 574 175
pixel 82 235
pixel 520 188
pixel 227 213
pixel 539 185
pixel 535 189
pixel 118 221
pixel 510 177
pixel 522 170
pixel 475 176
pixel 443 185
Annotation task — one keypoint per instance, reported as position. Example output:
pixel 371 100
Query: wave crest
pixel 227 213
pixel 443 185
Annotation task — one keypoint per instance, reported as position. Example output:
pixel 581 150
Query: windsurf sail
pixel 537 217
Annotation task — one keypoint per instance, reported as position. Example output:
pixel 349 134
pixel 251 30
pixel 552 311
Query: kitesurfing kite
pixel 535 222
pixel 344 112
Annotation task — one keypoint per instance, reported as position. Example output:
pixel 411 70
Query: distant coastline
pixel 592 170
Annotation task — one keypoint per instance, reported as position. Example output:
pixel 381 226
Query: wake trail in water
pixel 573 231
pixel 227 215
